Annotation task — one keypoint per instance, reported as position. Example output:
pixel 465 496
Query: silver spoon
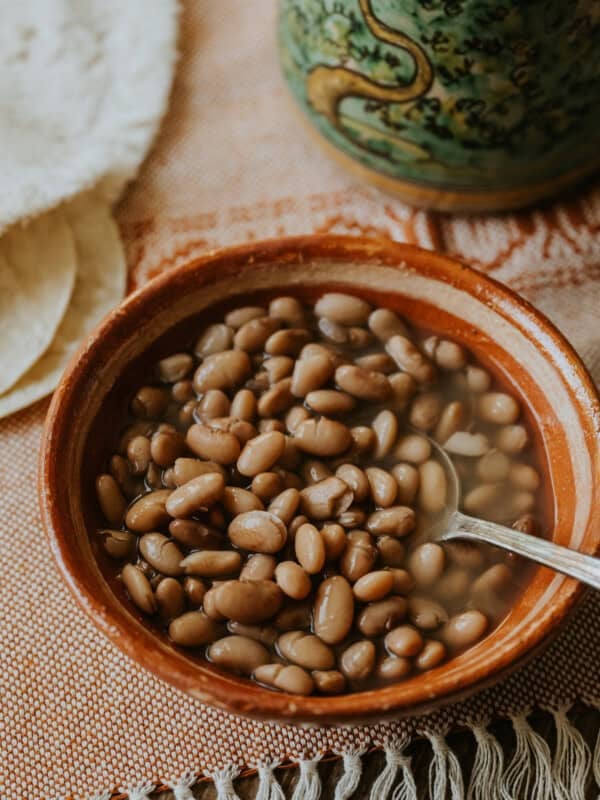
pixel 456 525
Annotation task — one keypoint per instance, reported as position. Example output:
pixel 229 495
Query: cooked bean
pixel 175 368
pixel 453 584
pixel 287 342
pixel 481 499
pixel 393 521
pixel 293 616
pixel 311 374
pixel 258 531
pixel 162 553
pixel 252 335
pixel 354 517
pixel 385 324
pixel 309 548
pixel 261 453
pixel 377 362
pixel 259 567
pixel 333 609
pixel 290 479
pixel 464 629
pixel 404 641
pixel 295 416
pixel 119 469
pixel 195 534
pixel 357 662
pixel 278 367
pixel 407 478
pixel 138 586
pixel 359 556
pixel 425 613
pixel 266 485
pixel 288 310
pixel 364 438
pixel 373 586
pixel 214 339
pixel 425 411
pixel 410 359
pixel 185 469
pixel 150 402
pixel 413 448
pixel 329 681
pixel 212 563
pixel 322 437
pixel 393 668
pixel 376 618
pixel 403 387
pixel 478 380
pixel 433 487
pixel 186 413
pixel 291 678
pixel 490 587
pixel 149 512
pixel 446 354
pixel 463 443
pixel 238 654
pixel 243 405
pixel 260 633
pixel 166 446
pixel 118 544
pixel 269 425
pixel 194 629
pixel 305 649
pixel 343 308
pixel 334 539
pixel 499 408
pixel 214 404
pixel 426 563
pixel 391 551
pixel 277 399
pixel 519 503
pixel 326 499
pixel 493 466
pixel 402 581
pixel 183 391
pixel 355 478
pixel 432 654
pixel 240 428
pixel 248 601
pixel 451 420
pixel 314 471
pixel 383 486
pixel 240 316
pixel 330 401
pixel 138 454
pixel 524 477
pixel 239 501
pixel 385 427
pixel 285 505
pixel 512 439
pixel 213 444
pixel 362 383
pixel 194 590
pixel 293 579
pixel 209 605
pixel 111 500
pixel 223 370
pixel 200 492
pixel 170 598
pixel 153 477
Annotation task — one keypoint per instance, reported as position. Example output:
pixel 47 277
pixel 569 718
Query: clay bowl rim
pixel 204 682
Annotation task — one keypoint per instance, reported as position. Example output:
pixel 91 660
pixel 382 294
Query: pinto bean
pixel 285 505
pixel 523 476
pixel 383 486
pixel 311 374
pixel 252 335
pixel 185 469
pixel 278 367
pixel 409 359
pixel 404 641
pixel 362 383
pixel 248 601
pixel 240 316
pixel 393 668
pixel 258 531
pixel 343 308
pixel 287 342
pixel 200 492
pixel 309 548
pixel 305 649
pixel 322 437
pixel 239 501
pixel 260 633
pixel 446 354
pixel 259 567
pixel 381 616
pixel 139 589
pixel 493 466
pixel 407 478
pixel 150 402
pixel 334 539
pixel 498 407
pixel 224 370
pixel 243 405
pixel 288 310
pixel 478 379
pixel 242 430
pixel 363 438
pixel 329 681
pixel 238 654
pixel 333 609
pixel 291 678
pixel 170 598
pixel 482 498
pixel 464 629
pixel 194 590
pixel 511 439
pixel 175 368
pixel 166 446
pixel 149 512
pixel 267 485
pixel 413 448
pixel 355 478
pixel 433 487
pixel 138 454
pixel 354 517
pixel 378 362
pixel 212 563
pixel 260 453
pixel 194 629
pixel 357 662
pixel 472 445
pixel 330 402
pixel 385 324
pixel 213 444
pixel 162 553
pixel 110 498
pixel 426 563
pixel 358 557
pixel 118 544
pixel 314 471
pixel 293 580
pixel 326 499
pixel 195 534
pixel 391 551
pixel 403 388
pixel 277 399
pixel 373 586
pixel 425 613
pixel 385 427
pixel 392 521
pixel 215 339
pixel 432 654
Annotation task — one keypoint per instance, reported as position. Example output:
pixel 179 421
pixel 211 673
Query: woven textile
pixel 232 164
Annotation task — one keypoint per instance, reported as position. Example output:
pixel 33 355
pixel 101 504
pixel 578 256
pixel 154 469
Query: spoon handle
pixel 570 562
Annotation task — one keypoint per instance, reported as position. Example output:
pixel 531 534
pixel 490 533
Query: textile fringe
pixel 349 781
pixel 444 771
pixel 529 774
pixel 533 772
pixel 268 787
pixel 309 782
pixel 485 783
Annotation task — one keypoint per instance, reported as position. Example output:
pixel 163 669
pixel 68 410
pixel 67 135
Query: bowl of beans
pixel 239 477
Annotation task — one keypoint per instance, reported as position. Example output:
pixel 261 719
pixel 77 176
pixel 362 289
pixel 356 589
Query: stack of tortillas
pixel 83 87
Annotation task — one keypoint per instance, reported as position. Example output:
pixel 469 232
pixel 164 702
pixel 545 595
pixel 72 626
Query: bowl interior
pixel 433 292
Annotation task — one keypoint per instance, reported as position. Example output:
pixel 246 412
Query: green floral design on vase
pixel 472 94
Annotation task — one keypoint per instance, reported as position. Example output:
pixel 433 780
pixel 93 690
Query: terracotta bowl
pixel 506 334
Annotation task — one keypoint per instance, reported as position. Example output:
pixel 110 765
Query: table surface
pixel 587 720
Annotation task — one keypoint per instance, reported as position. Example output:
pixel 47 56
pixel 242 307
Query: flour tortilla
pixel 37 275
pixel 83 86
pixel 99 285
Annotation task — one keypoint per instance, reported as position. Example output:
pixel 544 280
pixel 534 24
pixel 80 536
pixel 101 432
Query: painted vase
pixel 452 104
